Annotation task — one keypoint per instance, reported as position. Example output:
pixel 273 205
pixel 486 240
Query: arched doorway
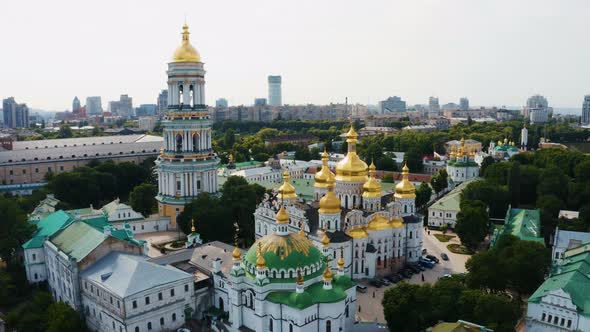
pixel 328 326
pixel 221 304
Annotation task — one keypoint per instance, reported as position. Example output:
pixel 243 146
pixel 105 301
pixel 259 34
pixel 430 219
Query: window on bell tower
pixel 178 143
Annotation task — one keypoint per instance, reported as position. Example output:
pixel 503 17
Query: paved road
pixel 370 302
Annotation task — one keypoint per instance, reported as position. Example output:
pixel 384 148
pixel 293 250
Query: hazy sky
pixel 495 52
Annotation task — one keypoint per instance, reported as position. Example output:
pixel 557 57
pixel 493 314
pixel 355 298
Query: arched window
pixel 328 326
pixel 195 143
pixel 178 143
pixel 192 95
pixel 137 329
pixel 290 327
pixel 270 327
pixel 251 301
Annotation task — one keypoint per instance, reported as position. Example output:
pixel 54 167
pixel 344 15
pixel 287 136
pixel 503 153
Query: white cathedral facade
pixel 377 233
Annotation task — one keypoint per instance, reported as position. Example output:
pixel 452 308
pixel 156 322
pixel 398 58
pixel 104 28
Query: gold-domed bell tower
pixel 322 177
pixel 372 192
pixel 187 165
pixel 405 193
pixel 351 174
pixel 329 212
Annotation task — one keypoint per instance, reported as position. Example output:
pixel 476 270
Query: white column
pixel 195 94
pixel 186 94
pixel 172 184
pixel 202 92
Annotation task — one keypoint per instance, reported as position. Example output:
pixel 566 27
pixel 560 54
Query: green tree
pixel 30 315
pixel 472 223
pixel 514 183
pixel 399 307
pixel 14 229
pixel 229 139
pixel 65 132
pixel 423 194
pixel 485 163
pixel 142 198
pixel 526 264
pixel 439 181
pixel 62 318
pixel 495 197
pixel 413 159
pixel 486 271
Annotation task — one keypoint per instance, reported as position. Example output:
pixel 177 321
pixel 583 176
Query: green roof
pixel 78 239
pixel 244 164
pixel 452 200
pixel 462 164
pixel 522 223
pixel 48 226
pixel 99 223
pixel 314 294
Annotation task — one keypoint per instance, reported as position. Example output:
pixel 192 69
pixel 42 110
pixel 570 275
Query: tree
pixel 229 139
pixel 30 315
pixel 472 223
pixel 494 311
pixel 439 181
pixel 526 263
pixel 14 229
pixel 423 194
pixel 400 304
pixel 413 159
pixel 514 183
pixel 142 198
pixel 65 132
pixel 62 318
pixel 485 163
pixel 486 271
pixel 496 197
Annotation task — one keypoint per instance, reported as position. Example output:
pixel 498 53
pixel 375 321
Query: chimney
pixel 216 264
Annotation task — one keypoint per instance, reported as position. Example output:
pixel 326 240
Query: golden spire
pixel 325 239
pixel 330 203
pixel 260 261
pixel 286 190
pixel 282 216
pixel 341 259
pixel 327 271
pixel 237 253
pixel 186 52
pixel 193 229
pixel 300 279
pixel 301 230
pixel 405 188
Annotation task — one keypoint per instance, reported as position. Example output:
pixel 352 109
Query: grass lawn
pixel 459 249
pixel 444 237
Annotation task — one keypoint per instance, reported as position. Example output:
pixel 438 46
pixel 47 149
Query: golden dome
pixel 372 188
pixel 379 223
pixel 351 168
pixel 327 272
pixel 358 233
pixel 237 254
pixel 325 240
pixel 322 177
pixel 330 203
pixel 260 261
pixel 396 222
pixel 286 190
pixel 405 188
pixel 499 143
pixel 282 216
pixel 340 263
pixel 186 52
pixel 505 140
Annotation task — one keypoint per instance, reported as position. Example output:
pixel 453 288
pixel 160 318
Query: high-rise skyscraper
pixel 221 103
pixel 433 105
pixel 76 105
pixel 260 102
pixel 93 106
pixel 537 109
pixel 162 101
pixel 15 115
pixel 275 97
pixel 392 104
pixel 123 107
pixel 586 110
pixel 464 104
pixel 187 165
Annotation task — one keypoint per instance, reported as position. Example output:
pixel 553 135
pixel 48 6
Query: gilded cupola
pixel 186 52
pixel 286 190
pixel 405 188
pixel 325 174
pixel 372 188
pixel 351 168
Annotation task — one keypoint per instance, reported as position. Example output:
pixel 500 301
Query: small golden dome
pixel 379 223
pixel 286 190
pixel 237 254
pixel 186 52
pixel 327 272
pixel 358 233
pixel 505 140
pixel 405 188
pixel 282 216
pixel 193 228
pixel 340 263
pixel 372 188
pixel 260 261
pixel 351 168
pixel 325 174
pixel 330 203
pixel 325 240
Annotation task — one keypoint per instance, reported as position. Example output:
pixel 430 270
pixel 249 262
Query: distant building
pixel 524 138
pixel 260 102
pixel 93 106
pixel 15 115
pixel 392 104
pixel 123 107
pixel 522 223
pixel 560 304
pixel 450 107
pixel 461 165
pixel 464 104
pixel 440 122
pixel 470 145
pixel 162 101
pixel 586 110
pixel 565 240
pixel 275 97
pixel 536 109
pixel 445 210
pixel 433 105
pixel 76 104
pixel 502 150
pixel 538 115
pixel 221 103
pixel 505 115
pixel 146 110
pixel 537 101
pixel 147 123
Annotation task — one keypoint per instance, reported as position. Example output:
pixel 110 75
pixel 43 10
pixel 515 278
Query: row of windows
pixel 160 297
pixel 10 172
pixel 86 155
pixel 555 320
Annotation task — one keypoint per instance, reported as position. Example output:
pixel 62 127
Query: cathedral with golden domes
pixel 378 233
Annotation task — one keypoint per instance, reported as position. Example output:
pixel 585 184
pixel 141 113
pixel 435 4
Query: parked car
pixel 384 282
pixel 361 288
pixel 406 274
pixel 433 258
pixel 414 268
pixel 444 256
pixel 375 283
pixel 426 263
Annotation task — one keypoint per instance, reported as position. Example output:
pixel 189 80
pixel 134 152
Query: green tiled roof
pixel 573 277
pixel 313 294
pixel 244 164
pixel 452 200
pixel 522 223
pixel 48 226
pixel 78 239
pixel 99 223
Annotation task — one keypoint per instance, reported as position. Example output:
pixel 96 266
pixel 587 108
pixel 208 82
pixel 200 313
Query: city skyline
pixel 487 52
